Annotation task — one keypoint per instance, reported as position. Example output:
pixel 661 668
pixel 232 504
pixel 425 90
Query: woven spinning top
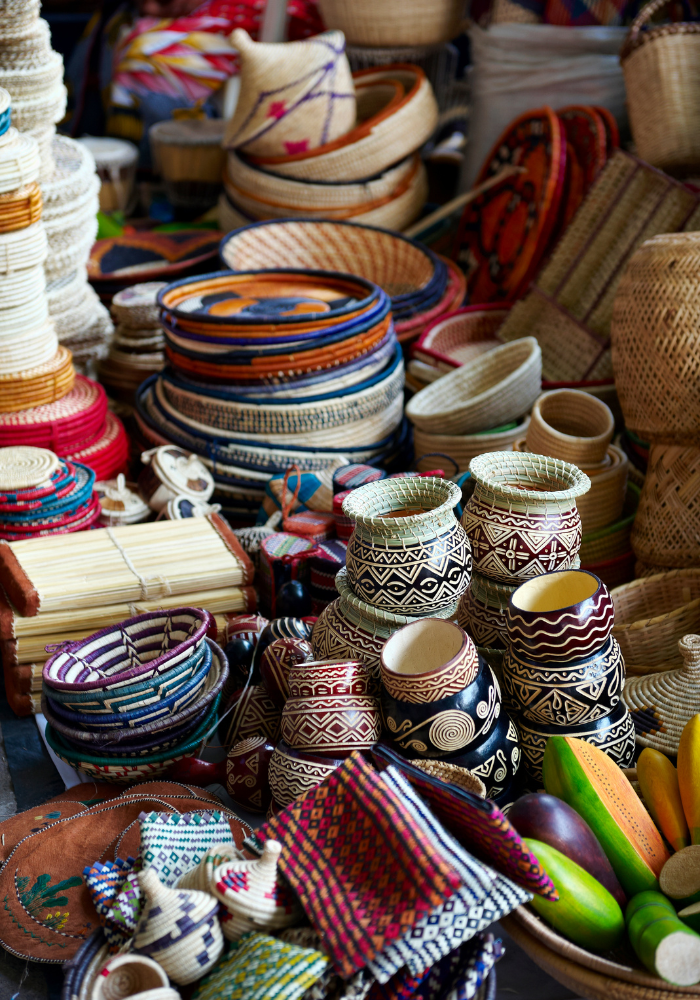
pixel 254 895
pixel 179 929
pixel 22 466
pixel 662 703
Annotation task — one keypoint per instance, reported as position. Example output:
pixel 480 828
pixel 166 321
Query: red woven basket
pixel 108 454
pixel 62 426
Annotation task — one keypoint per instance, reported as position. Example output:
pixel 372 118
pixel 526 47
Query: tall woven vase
pixel 666 530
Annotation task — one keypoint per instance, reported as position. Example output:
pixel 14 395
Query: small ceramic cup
pixel 329 678
pixel 428 660
pixel 560 616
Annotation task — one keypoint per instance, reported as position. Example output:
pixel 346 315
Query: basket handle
pixel 641 19
pixel 438 454
pixel 287 507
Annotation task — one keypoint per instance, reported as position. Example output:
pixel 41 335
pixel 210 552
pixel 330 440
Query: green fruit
pixel 665 945
pixel 691 917
pixel 585 912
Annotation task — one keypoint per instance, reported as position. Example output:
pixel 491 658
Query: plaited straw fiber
pixel 663 702
pixel 613 540
pixel 39 385
pixel 572 425
pixel 25 46
pixel 17 13
pixel 656 339
pixel 652 615
pixel 602 505
pixel 19 160
pixel 461 337
pixel 463 448
pixel 17 288
pixel 19 350
pixel 73 173
pixel 20 208
pixel 36 81
pixel 507 12
pixel 588 975
pixel 661 66
pixel 492 390
pixel 453 774
pixel 129 563
pixel 374 25
pixel 569 307
pixel 666 530
pixel 23 248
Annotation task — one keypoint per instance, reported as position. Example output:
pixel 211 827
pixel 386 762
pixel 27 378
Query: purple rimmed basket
pixel 137 648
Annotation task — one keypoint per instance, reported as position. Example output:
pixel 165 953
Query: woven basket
pixel 463 448
pixel 38 386
pixel 457 339
pixel 494 389
pixel 388 23
pixel 40 112
pixel 663 702
pixel 254 896
pixel 656 338
pixel 17 288
pixel 188 149
pixel 572 425
pixel 603 503
pixel 23 248
pixel 652 615
pixel 383 137
pixel 20 208
pixel 614 539
pixel 453 775
pixel 126 975
pixel 666 530
pixel 661 66
pixel 36 346
pixel 33 81
pixel 73 172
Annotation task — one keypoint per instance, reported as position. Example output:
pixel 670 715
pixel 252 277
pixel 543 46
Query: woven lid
pixel 111 152
pixel 662 703
pixel 22 466
pixel 119 503
pixel 182 473
pixel 4 100
pixel 75 166
pixel 189 131
pixel 19 160
pixel 182 507
pixel 136 307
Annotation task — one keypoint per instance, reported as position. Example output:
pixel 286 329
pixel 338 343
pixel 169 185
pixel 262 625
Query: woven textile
pixel 476 961
pixel 315 493
pixel 104 882
pixel 482 898
pixel 125 912
pixel 360 864
pixel 477 824
pixel 352 476
pixel 323 566
pixel 259 967
pixel 173 844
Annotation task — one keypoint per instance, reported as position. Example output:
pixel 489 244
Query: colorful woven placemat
pixel 174 844
pixel 61 426
pixel 360 864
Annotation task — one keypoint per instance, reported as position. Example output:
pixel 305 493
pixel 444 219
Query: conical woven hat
pixel 295 96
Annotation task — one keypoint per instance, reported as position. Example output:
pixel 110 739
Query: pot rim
pixel 466 640
pixel 574 608
pixel 378 617
pixel 485 468
pixel 416 489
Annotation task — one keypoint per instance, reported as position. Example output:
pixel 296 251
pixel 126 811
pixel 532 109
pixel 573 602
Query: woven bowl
pixel 136 649
pixel 572 425
pixel 365 23
pixel 494 389
pixel 651 616
pixel 462 448
pixel 603 503
pixel 457 339
pixel 614 540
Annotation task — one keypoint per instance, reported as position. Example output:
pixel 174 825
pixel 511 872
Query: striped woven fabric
pixel 352 476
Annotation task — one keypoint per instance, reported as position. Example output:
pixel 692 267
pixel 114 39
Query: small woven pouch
pixel 172 844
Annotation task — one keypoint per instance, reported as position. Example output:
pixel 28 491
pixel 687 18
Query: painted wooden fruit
pixel 689 775
pixel 667 946
pixel 596 788
pixel 247 765
pixel 680 876
pixel 658 780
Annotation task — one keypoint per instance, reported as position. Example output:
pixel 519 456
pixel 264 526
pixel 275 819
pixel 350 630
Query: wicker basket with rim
pixel 652 615
pixel 462 448
pixel 456 339
pixel 572 425
pixel 494 389
pixel 366 22
pixel 661 67
pixel 666 530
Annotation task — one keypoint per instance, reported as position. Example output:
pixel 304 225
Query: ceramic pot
pixel 247 765
pixel 448 726
pixel 277 660
pixel 293 773
pixel 332 725
pixel 482 611
pixel 522 518
pixel 239 654
pixel 127 975
pixel 179 929
pixel 613 733
pixel 278 628
pixel 331 678
pixel 428 660
pixel 564 694
pixel 254 895
pixel 250 627
pixel 560 616
pixel 254 714
pixel 408 553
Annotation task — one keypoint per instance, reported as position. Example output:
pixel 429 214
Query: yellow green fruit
pixel 689 775
pixel 658 780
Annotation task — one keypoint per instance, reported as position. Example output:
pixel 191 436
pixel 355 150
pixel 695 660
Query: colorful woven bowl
pixel 77 417
pixel 108 454
pixel 39 385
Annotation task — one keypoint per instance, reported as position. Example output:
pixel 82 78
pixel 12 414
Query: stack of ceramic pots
pixel 441 700
pixel 407 558
pixel 563 672
pixel 522 521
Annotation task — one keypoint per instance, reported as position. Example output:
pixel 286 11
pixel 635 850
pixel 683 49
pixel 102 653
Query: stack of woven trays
pixel 481 406
pixel 271 368
pixel 128 701
pixel 64 588
pixel 423 286
pixel 136 350
pixel 578 428
pixel 41 495
pixel 33 74
pixel 70 217
pixel 78 427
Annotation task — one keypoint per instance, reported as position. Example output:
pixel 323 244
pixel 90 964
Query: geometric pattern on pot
pixel 484 621
pixel 497 759
pixel 522 518
pixel 331 678
pixel 331 725
pixel 614 734
pixel 428 660
pixel 564 694
pixel 560 616
pixel 408 554
pixel 338 633
pixel 446 727
pixel 294 773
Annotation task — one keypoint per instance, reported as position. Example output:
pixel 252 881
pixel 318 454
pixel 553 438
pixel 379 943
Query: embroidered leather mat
pixel 586 154
pixel 46 913
pixel 504 232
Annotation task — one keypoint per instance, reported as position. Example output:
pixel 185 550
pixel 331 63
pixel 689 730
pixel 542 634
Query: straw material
pixel 384 136
pixel 494 389
pixel 656 339
pixel 661 66
pixel 188 149
pixel 126 975
pixel 454 775
pixel 25 46
pixel 374 25
pixel 19 350
pixel 508 12
pixel 614 539
pixel 666 530
pixel 23 248
pixel 569 308
pixel 31 314
pixel 463 448
pixel 652 615
pixel 603 503
pixel 40 111
pixel 20 208
pixel 32 81
pixel 572 425
pixel 17 14
pixel 22 467
pixel 39 385
pixel 136 307
pixel 73 172
pixel 459 338
pixel 18 288
pixel 254 895
pixel 663 702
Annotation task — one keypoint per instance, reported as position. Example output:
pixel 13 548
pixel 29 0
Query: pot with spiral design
pixel 408 553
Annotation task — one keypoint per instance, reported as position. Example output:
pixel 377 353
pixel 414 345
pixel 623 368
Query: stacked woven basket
pixel 136 350
pixel 271 368
pixel 578 428
pixel 340 151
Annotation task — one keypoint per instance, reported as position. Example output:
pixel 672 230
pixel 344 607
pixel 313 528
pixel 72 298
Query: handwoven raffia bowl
pixel 387 25
pixel 666 530
pixel 456 339
pixel 462 448
pixel 408 553
pixel 651 616
pixel 572 425
pixel 522 519
pixel 491 390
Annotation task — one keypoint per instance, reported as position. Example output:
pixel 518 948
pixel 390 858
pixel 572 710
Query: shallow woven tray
pixel 652 614
pixel 460 337
pixel 463 448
